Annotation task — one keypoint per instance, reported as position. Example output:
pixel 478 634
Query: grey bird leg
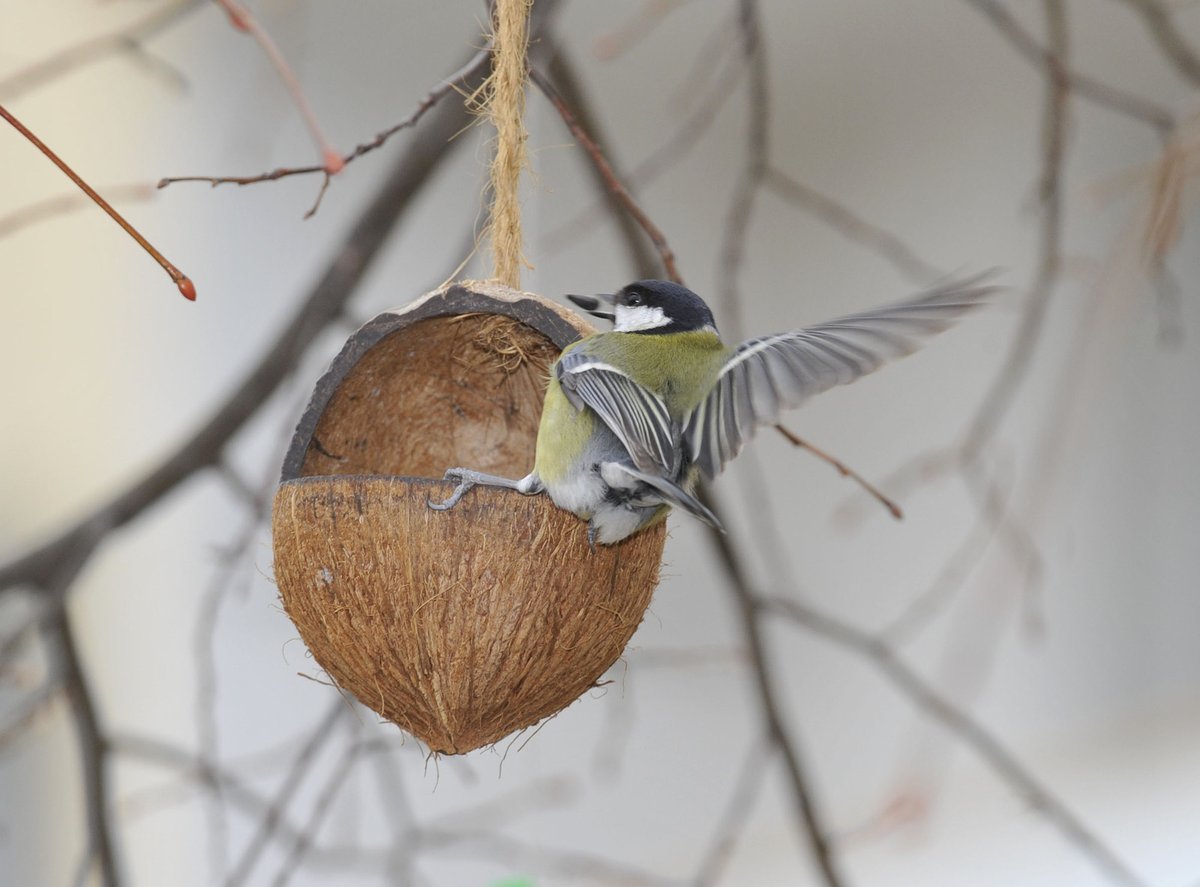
pixel 530 485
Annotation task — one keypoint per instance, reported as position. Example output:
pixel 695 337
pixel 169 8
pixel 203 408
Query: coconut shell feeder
pixel 466 625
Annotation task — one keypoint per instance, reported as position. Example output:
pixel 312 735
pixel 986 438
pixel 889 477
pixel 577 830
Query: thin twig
pixel 1087 88
pixel 204 654
pixel 30 706
pixel 198 770
pixel 268 824
pixel 334 783
pixel 686 137
pixel 999 397
pixel 610 177
pixel 746 789
pixel 458 81
pixel 535 797
pixel 561 72
pixel 844 470
pixel 736 229
pixel 628 33
pixel 966 459
pixel 925 607
pixel 579 867
pixel 852 226
pixel 242 20
pixel 66 60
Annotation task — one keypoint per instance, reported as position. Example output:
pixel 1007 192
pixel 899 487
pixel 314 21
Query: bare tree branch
pixel 92 748
pixel 737 220
pixel 1016 366
pixel 853 227
pixel 746 790
pixel 561 72
pixel 517 854
pixel 334 783
pixel 301 766
pixel 461 80
pixel 243 20
pixel 685 137
pixel 1085 87
pixel 813 831
pixel 968 730
pixel 605 169
pixel 53 207
pixel 844 470
pixel 195 769
pixel 28 708
pixel 186 288
pixel 628 33
pixel 1157 18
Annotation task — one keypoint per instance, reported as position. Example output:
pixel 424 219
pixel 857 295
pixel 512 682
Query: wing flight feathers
pixel 767 375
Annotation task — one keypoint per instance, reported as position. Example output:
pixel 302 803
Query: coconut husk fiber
pixel 460 626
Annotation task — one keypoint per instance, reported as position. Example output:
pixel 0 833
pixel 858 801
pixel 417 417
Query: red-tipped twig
pixel 241 19
pixel 451 83
pixel 186 287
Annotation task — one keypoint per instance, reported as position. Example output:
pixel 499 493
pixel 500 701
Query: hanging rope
pixel 506 109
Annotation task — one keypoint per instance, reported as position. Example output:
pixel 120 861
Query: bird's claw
pixel 453 499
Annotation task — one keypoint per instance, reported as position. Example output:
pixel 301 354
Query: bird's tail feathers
pixel 675 494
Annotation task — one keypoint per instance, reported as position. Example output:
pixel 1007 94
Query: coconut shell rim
pixel 414 480
pixel 556 322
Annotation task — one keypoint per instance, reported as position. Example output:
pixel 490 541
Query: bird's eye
pixel 633 300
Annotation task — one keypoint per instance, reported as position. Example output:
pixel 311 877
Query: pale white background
pixel 920 118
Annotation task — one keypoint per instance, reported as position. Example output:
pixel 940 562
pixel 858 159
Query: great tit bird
pixel 634 418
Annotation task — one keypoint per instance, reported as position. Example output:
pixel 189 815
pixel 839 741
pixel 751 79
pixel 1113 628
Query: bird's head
pixel 651 306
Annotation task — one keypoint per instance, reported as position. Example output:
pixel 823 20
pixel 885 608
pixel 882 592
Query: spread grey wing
pixel 767 375
pixel 636 415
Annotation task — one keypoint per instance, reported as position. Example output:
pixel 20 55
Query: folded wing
pixel 765 376
pixel 637 416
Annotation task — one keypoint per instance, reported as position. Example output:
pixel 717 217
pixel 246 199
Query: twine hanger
pixel 506 110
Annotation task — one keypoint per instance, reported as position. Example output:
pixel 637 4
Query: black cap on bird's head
pixel 651 306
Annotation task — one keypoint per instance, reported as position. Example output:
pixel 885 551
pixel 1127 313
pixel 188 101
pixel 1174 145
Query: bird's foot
pixel 529 485
pixel 466 479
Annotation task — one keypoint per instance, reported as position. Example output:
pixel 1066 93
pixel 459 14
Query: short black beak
pixel 591 304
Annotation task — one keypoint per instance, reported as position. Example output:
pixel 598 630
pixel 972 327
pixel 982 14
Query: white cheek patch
pixel 642 317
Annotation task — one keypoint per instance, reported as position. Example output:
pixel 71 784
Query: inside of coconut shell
pixel 440 393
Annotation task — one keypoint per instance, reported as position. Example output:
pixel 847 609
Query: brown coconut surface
pixel 460 626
